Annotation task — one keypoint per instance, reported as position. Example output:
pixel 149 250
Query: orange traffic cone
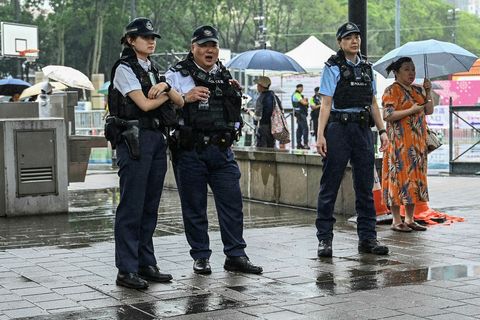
pixel 380 207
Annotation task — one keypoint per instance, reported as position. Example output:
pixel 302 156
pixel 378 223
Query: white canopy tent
pixel 311 54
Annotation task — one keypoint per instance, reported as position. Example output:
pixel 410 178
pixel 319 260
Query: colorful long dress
pixel 404 171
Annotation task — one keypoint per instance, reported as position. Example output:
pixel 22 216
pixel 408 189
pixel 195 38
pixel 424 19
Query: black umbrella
pixel 10 86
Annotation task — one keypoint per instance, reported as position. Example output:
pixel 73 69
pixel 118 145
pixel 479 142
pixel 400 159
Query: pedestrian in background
pixel 404 170
pixel 136 96
pixel 210 123
pixel 315 104
pixel 263 112
pixel 348 110
pixel 300 109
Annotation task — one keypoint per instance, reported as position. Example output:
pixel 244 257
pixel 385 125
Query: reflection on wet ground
pixel 91 219
pixel 69 258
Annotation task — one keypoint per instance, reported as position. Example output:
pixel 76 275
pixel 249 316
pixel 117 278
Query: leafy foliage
pixel 85 34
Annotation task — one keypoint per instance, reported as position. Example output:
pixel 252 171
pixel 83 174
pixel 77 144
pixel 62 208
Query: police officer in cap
pixel 349 109
pixel 209 124
pixel 136 127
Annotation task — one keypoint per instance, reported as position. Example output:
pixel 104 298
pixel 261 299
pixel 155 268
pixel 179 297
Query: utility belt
pixel 187 138
pixel 363 118
pixel 117 129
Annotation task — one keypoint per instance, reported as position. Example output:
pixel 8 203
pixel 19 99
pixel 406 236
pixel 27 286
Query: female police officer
pixel 348 109
pixel 210 120
pixel 137 100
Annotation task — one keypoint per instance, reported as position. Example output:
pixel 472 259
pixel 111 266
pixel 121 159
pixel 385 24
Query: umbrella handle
pixel 425 65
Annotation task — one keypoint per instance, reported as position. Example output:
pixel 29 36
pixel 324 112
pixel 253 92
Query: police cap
pixel 346 29
pixel 204 34
pixel 141 27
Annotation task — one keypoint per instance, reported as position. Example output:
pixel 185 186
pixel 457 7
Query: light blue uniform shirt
pixel 125 80
pixel 328 84
pixel 184 84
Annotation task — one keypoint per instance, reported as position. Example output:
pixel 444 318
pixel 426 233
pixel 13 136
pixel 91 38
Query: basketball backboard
pixel 17 38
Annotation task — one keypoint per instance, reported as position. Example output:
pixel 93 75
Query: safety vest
pixel 124 107
pixel 315 100
pixel 222 110
pixel 354 89
pixel 297 106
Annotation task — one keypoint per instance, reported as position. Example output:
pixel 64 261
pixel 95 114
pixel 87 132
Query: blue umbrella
pixel 432 58
pixel 10 86
pixel 264 59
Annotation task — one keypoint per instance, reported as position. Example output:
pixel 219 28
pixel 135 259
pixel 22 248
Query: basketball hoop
pixel 29 54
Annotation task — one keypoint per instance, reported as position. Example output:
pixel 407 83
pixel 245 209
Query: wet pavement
pixel 62 266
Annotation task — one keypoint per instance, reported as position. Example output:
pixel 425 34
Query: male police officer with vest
pixel 209 124
pixel 348 110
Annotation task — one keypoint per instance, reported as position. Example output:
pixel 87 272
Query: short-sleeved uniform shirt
pixel 125 79
pixel 330 78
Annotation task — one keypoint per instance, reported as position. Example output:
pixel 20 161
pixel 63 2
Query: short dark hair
pixel 316 89
pixel 397 64
pixel 299 85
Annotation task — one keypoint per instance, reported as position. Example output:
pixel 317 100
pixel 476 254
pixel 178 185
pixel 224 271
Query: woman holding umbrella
pixel 136 98
pixel 404 172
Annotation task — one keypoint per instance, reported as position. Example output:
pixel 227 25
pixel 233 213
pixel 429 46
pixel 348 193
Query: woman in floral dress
pixel 404 172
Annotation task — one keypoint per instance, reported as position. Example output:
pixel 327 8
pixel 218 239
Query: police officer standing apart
pixel 315 105
pixel 300 109
pixel 348 110
pixel 209 124
pixel 138 106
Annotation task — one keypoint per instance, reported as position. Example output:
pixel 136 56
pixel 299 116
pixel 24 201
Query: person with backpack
pixel 263 112
pixel 140 109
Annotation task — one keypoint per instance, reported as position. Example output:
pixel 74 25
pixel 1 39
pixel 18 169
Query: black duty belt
pixel 144 123
pixel 361 117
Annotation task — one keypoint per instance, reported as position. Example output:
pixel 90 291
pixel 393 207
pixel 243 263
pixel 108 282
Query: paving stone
pixel 43 297
pixel 17 304
pixel 450 316
pixel 302 307
pixel 261 309
pixel 424 311
pixel 25 312
pixel 57 304
pixel 468 310
pixel 31 291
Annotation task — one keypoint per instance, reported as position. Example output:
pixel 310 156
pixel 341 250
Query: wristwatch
pixel 381 131
pixel 168 87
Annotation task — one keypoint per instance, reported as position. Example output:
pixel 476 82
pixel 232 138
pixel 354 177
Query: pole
pixel 357 13
pixel 133 9
pixel 397 24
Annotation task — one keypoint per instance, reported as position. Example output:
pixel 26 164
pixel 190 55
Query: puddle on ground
pixel 91 219
pixel 356 280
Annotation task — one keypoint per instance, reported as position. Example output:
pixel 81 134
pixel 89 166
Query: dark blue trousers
pixel 302 129
pixel 354 143
pixel 194 170
pixel 141 184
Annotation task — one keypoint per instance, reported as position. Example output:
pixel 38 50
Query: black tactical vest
pixel 124 107
pixel 222 111
pixel 354 89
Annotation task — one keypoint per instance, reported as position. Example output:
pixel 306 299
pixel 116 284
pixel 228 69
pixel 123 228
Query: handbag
pixel 433 142
pixel 279 124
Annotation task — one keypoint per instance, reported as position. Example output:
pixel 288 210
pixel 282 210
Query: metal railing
pixel 89 122
pixel 455 165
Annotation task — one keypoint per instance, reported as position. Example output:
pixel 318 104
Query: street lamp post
pixel 452 15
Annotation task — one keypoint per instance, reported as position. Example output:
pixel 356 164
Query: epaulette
pixel 181 67
pixel 333 60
